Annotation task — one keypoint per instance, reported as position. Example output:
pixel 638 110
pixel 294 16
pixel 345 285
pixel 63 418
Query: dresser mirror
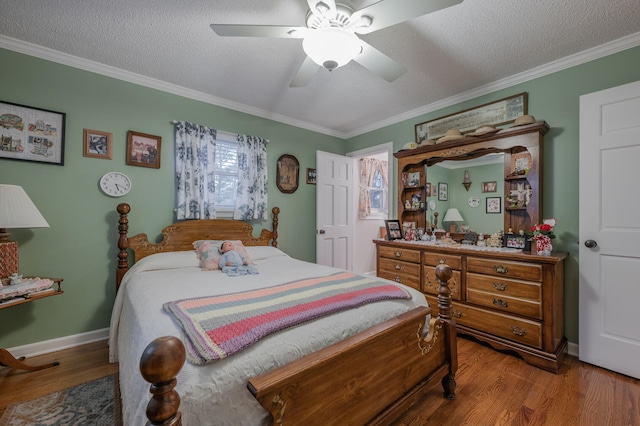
pixel 494 181
pixel 484 178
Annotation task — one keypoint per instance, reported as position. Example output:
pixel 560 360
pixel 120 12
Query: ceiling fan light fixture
pixel 332 47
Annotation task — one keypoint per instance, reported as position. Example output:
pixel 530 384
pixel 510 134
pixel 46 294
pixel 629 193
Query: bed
pixel 364 365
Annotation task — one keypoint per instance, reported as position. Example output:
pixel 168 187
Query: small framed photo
pixel 394 230
pixel 494 205
pixel 443 191
pixel 517 241
pixel 489 186
pixel 520 163
pixel 143 149
pixel 427 189
pixel 97 144
pixel 311 176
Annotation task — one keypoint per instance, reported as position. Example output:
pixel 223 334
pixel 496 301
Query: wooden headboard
pixel 181 235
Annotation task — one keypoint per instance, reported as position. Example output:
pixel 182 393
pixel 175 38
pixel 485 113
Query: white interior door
pixel 334 210
pixel 610 229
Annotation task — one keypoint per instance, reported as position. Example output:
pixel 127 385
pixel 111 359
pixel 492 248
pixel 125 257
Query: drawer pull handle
pixel 500 286
pixel 501 303
pixel 457 314
pixel 397 279
pixel 397 253
pixel 501 269
pixel 442 261
pixel 518 331
pixel 398 267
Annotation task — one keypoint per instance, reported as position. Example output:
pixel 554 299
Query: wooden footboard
pixel 369 378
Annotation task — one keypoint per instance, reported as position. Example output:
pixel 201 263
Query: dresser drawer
pixel 503 268
pixel 435 259
pixel 504 286
pixel 431 285
pixel 506 326
pixel 407 255
pixel 406 275
pixel 504 303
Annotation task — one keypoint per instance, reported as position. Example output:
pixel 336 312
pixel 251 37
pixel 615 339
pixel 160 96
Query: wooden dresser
pixel 512 301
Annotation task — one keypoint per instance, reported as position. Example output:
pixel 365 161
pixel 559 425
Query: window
pixel 226 172
pixel 378 195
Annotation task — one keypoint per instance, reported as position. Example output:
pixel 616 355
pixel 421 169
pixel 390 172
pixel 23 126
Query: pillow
pixel 167 260
pixel 264 252
pixel 208 252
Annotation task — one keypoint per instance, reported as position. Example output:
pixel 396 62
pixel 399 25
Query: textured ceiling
pixel 448 53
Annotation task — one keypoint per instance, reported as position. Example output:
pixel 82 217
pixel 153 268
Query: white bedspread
pixel 217 394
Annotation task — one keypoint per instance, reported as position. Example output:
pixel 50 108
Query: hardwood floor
pixel 493 389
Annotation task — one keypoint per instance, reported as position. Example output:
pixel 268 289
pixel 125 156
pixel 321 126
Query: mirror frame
pixel 513 140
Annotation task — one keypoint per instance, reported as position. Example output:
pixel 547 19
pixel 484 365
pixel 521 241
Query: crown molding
pixel 34 50
pixel 141 80
pixel 579 58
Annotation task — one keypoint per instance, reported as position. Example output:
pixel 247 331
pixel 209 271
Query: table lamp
pixel 16 211
pixel 452 215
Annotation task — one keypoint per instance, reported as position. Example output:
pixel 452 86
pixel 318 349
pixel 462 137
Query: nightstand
pixel 8 360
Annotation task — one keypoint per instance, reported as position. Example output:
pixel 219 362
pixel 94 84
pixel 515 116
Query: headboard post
pixel 123 243
pixel 274 226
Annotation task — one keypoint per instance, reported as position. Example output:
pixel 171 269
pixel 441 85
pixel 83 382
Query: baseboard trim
pixel 47 346
pixel 53 345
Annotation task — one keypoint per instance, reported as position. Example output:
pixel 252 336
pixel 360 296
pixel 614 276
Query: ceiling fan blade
pixel 386 13
pixel 275 31
pixel 323 7
pixel 379 63
pixel 306 72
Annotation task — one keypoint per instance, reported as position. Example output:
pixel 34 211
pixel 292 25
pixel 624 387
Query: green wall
pixel 80 245
pixel 555 99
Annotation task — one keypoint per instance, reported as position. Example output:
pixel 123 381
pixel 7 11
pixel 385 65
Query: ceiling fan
pixel 329 37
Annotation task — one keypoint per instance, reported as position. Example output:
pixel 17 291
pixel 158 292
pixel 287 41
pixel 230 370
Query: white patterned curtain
pixel 195 180
pixel 368 168
pixel 251 202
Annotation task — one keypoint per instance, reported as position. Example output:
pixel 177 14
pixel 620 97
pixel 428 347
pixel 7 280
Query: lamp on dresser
pixel 452 215
pixel 16 211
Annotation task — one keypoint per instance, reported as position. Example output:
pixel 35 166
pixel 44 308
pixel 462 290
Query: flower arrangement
pixel 543 234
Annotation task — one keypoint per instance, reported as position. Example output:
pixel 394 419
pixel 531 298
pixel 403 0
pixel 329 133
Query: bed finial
pixel 123 243
pixel 160 363
pixel 274 226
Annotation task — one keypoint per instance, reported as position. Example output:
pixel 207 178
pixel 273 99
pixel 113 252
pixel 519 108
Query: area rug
pixel 95 403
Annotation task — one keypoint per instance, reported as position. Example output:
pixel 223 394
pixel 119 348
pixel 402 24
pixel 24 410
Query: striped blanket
pixel 219 326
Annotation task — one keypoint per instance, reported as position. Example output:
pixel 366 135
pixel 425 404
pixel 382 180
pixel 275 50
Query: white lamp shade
pixel 331 47
pixel 453 215
pixel 17 210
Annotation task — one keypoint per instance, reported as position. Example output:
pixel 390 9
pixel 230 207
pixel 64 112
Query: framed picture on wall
pixel 311 176
pixel 494 205
pixel 143 149
pixel 489 186
pixel 31 134
pixel 443 191
pixel 287 173
pixel 97 144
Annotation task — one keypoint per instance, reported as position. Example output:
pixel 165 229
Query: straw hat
pixel 483 130
pixel 451 135
pixel 524 119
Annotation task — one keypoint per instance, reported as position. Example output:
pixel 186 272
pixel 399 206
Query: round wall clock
pixel 115 184
pixel 473 201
